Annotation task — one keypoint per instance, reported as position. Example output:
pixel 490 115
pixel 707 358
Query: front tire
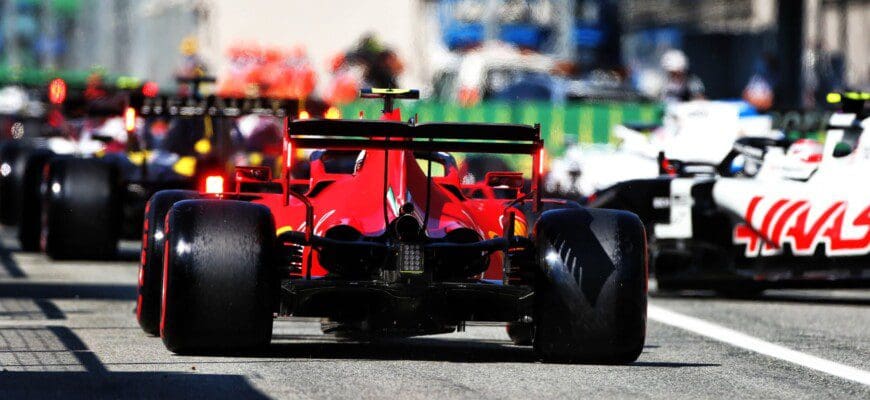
pixel 220 285
pixel 151 266
pixel 591 292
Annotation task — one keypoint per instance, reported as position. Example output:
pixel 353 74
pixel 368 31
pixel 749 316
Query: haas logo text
pixel 771 223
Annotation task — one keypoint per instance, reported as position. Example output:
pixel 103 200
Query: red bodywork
pixel 361 200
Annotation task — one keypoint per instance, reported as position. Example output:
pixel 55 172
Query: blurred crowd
pixel 257 70
pixel 494 71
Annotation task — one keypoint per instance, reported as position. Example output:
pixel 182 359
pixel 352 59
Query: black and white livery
pixel 798 221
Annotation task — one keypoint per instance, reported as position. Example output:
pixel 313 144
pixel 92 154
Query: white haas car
pixel 802 220
pixel 695 131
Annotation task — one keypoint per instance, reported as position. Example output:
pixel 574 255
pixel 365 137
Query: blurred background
pixel 577 66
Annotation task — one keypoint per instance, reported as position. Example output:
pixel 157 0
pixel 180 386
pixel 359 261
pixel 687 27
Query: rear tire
pixel 81 213
pixel 220 284
pixel 151 266
pixel 548 204
pixel 12 162
pixel 591 291
pixel 30 225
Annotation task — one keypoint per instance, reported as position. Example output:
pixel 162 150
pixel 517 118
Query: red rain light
pixel 57 91
pixel 214 184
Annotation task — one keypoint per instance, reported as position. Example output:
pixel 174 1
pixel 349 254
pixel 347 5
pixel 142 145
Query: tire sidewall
pixel 150 283
pixel 219 284
pixel 81 209
pixel 13 156
pixel 30 225
pixel 591 288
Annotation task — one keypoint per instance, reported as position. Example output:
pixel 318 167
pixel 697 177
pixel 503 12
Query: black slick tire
pixel 220 284
pixel 591 292
pixel 81 209
pixel 13 155
pixel 30 225
pixel 151 262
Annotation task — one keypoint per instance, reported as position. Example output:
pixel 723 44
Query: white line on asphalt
pixel 745 341
pixel 29 323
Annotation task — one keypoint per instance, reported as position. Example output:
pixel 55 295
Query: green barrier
pixel 75 79
pixel 560 124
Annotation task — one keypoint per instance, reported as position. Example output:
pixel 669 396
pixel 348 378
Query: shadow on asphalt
pixel 9 264
pixel 813 298
pixel 775 297
pixel 85 377
pixel 414 349
pixel 67 291
pixel 49 310
pixel 28 309
pixel 664 364
pixel 122 385
pixel 129 252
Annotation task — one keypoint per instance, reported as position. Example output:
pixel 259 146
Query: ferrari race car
pixel 74 124
pixel 378 244
pixel 799 221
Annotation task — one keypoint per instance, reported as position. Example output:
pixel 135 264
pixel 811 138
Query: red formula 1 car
pixel 381 245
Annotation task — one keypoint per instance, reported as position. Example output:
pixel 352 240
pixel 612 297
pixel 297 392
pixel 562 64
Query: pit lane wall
pixel 560 124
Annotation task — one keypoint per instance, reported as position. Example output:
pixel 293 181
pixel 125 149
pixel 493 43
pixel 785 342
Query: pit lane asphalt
pixel 67 329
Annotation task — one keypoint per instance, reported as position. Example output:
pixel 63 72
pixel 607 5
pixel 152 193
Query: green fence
pixel 585 122
pixel 38 77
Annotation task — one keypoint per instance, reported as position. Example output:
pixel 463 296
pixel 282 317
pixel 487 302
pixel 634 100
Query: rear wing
pixel 442 136
pixel 217 106
pixel 430 137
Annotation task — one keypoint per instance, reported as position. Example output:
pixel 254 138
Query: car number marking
pixel 680 201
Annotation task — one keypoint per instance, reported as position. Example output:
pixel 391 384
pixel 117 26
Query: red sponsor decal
pixel 743 233
pixel 804 227
pixel 849 246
